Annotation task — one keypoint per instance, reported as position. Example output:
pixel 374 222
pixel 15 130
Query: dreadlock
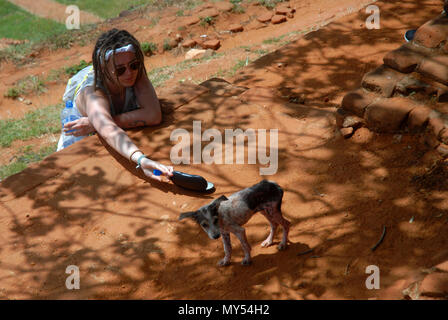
pixel 112 40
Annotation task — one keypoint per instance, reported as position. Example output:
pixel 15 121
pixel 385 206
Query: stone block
pixel 357 101
pixel 382 80
pixel 388 115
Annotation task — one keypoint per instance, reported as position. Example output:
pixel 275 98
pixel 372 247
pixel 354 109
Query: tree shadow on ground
pixel 80 207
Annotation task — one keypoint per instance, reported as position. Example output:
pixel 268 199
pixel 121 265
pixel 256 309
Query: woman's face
pixel 125 69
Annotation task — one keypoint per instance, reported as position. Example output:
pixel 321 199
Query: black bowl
pixel 191 182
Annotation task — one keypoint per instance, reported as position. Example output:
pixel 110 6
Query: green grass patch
pixel 206 21
pixel 183 4
pixel 34 124
pixel 16 23
pixel 105 8
pixel 274 40
pixel 26 157
pixel 270 4
pixel 30 84
pixel 148 48
pixel 72 70
pixel 241 63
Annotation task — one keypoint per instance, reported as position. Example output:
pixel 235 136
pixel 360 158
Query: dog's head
pixel 207 217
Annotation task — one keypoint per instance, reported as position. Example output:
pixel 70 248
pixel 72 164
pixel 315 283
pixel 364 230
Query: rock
pixel 442 267
pixel 194 54
pixel 178 38
pixel 362 136
pixel 382 80
pixel 188 21
pixel 340 115
pixel 430 140
pixel 236 28
pixel 443 135
pixel 412 291
pixel 189 43
pixel 432 33
pixel 278 19
pixel 211 44
pixel 255 25
pixel 405 59
pixel 353 121
pixel 435 67
pixel 418 118
pixel 409 84
pixel 357 101
pixel 442 149
pixel 387 115
pixel 283 10
pixel 437 122
pixel 435 285
pixel 265 17
pixel 346 132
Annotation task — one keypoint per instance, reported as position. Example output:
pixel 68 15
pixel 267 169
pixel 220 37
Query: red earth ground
pixel 87 206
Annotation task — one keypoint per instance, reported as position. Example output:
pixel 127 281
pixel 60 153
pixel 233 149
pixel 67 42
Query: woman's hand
pixel 149 165
pixel 80 127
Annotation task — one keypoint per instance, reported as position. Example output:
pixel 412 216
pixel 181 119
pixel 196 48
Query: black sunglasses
pixel 122 69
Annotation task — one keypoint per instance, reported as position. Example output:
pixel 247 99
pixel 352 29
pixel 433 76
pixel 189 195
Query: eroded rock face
pixel 408 92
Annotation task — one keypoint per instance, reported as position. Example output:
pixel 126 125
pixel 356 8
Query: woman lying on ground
pixel 115 94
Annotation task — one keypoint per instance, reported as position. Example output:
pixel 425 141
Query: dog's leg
pixel 277 216
pixel 240 233
pixel 270 239
pixel 227 250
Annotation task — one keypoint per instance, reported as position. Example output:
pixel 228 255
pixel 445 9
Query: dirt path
pixel 88 207
pixel 53 10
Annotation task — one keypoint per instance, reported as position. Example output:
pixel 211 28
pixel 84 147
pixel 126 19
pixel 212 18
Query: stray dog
pixel 225 215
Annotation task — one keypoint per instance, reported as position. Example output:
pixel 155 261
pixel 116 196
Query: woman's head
pixel 118 58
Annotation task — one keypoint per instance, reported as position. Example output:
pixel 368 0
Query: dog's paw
pixel 266 243
pixel 282 246
pixel 246 262
pixel 223 263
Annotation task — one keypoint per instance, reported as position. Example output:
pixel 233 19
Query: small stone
pixel 357 101
pixel 278 19
pixel 189 43
pixel 443 267
pixel 236 28
pixel 347 132
pixel 266 17
pixel 418 118
pixel 211 44
pixel 283 10
pixel 435 285
pixel 194 54
pixel 442 149
pixel 352 121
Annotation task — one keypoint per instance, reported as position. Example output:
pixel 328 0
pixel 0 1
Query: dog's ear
pixel 190 214
pixel 215 204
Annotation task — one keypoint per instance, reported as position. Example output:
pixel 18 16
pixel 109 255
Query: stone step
pixel 382 80
pixel 433 33
pixel 406 58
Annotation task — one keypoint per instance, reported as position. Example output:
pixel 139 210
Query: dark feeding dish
pixel 192 182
